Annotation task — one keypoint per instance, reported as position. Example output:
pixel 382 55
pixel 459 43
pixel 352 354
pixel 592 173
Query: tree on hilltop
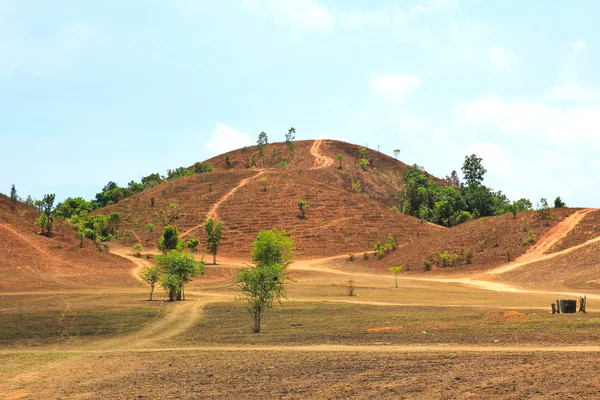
pixel 290 137
pixel 261 144
pixel 396 153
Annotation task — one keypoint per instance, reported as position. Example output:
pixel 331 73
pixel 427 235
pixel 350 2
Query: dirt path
pixel 368 348
pixel 213 211
pixel 24 239
pixel 321 161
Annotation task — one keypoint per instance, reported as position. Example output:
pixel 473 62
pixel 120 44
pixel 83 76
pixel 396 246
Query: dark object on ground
pixel 568 306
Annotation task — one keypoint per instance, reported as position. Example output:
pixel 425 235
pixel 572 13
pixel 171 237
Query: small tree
pixel 261 286
pixel 558 203
pixel 396 153
pixel 544 211
pixel 170 240
pixel 192 244
pixel 114 219
pixel 137 250
pixel 214 235
pixel 151 275
pixel 396 270
pixel 289 141
pixel 264 182
pixel 14 197
pixel 303 206
pixel 228 161
pixel 340 158
pixel 274 153
pixel 177 269
pixel 261 144
pixel 351 290
pixel 364 163
pixel 46 219
pixel 363 152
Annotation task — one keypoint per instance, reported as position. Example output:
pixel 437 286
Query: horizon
pixel 94 95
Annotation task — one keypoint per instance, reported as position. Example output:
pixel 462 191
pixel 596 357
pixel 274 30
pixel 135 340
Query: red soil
pixel 30 261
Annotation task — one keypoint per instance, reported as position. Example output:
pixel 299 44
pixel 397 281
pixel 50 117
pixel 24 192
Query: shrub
pixel 427 265
pixel 137 250
pixel 366 256
pixel 446 259
pixel 149 227
pixel 201 167
pixel 228 161
pixel 364 163
pixel 378 250
pixel 356 187
pixel 463 216
pixel 391 242
pixel 303 206
pixel 467 255
pixel 530 239
pixel 351 288
pixel 350 257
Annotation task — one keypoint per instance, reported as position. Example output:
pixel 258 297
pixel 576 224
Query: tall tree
pixel 177 269
pixel 290 137
pixel 264 283
pixel 46 218
pixel 150 275
pixel 473 170
pixel 214 235
pixel 261 144
pixel 14 197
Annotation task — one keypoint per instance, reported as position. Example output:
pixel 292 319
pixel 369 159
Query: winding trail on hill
pixel 321 161
pixel 213 211
pixel 24 239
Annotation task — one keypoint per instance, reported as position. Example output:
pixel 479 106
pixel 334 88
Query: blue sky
pixel 113 90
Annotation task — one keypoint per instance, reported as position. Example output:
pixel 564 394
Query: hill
pixel 350 208
pixel 31 261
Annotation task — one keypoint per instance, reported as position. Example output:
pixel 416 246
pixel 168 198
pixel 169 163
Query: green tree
pixel 273 247
pixel 264 182
pixel 151 275
pixel 274 153
pixel 363 152
pixel 114 219
pixel 73 206
pixel 214 235
pixel 178 268
pixel 261 286
pixel 340 158
pixel 303 206
pixel 261 145
pixel 290 137
pixel 364 163
pixel 170 240
pixel 396 270
pixel 544 211
pixel 202 167
pixel 558 203
pixel 192 244
pixel 228 161
pixel 46 219
pixel 137 250
pixel 473 170
pixel 14 198
pixel 396 153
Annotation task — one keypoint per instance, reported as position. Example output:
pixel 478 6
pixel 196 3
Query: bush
pixel 427 265
pixel 149 227
pixel 137 250
pixel 378 250
pixel 356 187
pixel 201 167
pixel 558 203
pixel 530 239
pixel 463 216
pixel 366 256
pixel 364 163
pixel 350 257
pixel 446 259
pixel 467 255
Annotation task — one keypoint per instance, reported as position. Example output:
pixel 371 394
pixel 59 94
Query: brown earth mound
pixel 31 261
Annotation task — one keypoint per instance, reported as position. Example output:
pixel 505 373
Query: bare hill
pixel 342 218
pixel 31 261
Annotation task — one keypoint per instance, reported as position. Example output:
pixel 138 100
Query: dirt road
pixel 321 161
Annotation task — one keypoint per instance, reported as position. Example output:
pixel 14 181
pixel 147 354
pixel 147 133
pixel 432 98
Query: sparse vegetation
pixel 46 219
pixel 356 188
pixel 228 161
pixel 530 239
pixel 340 158
pixel 261 145
pixel 364 163
pixel 290 137
pixel 264 180
pixel 427 264
pixel 543 211
pixel 303 206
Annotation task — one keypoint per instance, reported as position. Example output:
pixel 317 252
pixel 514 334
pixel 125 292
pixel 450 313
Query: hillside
pixel 341 218
pixel 31 261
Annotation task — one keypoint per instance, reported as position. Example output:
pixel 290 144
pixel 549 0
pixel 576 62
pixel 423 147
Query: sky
pixel 115 90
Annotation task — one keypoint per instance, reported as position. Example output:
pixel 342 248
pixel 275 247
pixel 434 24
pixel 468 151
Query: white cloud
pixel 578 45
pixel 224 138
pixel 396 85
pixel 572 92
pixel 302 15
pixel 501 58
pixel 358 19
